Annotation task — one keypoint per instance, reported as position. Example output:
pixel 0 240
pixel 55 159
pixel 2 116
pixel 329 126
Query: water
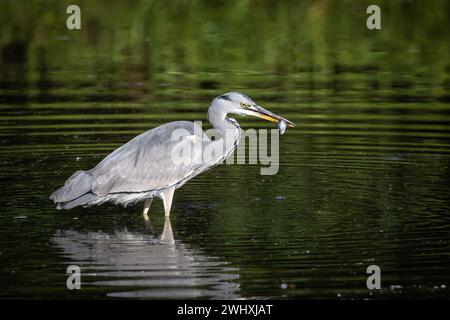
pixel 363 177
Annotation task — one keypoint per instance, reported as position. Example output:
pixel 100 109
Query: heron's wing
pixel 149 162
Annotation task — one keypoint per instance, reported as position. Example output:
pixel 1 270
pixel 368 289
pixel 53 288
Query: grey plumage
pixel 137 170
pixel 143 168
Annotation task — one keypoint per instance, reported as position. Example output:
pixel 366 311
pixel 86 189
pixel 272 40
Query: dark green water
pixel 363 178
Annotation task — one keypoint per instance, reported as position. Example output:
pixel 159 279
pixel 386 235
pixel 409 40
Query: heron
pixel 144 168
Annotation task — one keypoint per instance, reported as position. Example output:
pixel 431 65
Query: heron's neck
pixel 221 122
pixel 228 127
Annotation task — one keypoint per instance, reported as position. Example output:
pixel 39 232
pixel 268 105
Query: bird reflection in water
pixel 146 265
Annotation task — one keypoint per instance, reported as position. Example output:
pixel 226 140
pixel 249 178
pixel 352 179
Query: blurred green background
pixel 218 44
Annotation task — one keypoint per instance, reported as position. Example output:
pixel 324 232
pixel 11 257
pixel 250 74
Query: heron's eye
pixel 244 105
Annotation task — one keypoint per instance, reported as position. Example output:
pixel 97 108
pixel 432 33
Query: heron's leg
pixel 167 196
pixel 167 235
pixel 147 204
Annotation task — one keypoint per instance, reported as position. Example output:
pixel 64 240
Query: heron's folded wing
pixel 150 165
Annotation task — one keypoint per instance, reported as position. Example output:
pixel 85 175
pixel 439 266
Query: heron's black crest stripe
pixel 225 97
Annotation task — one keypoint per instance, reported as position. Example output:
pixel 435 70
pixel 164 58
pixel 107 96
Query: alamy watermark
pixel 374 20
pixel 74 279
pixel 262 146
pixel 73 21
pixel 374 280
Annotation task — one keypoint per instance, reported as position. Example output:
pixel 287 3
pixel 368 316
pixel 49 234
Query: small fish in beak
pixel 282 125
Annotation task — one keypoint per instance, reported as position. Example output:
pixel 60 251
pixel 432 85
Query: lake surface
pixel 363 178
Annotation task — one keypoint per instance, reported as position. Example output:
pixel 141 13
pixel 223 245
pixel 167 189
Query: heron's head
pixel 240 104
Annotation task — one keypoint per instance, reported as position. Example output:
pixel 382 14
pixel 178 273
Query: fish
pixel 282 125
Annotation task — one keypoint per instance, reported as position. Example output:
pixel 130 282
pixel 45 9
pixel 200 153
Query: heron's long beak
pixel 260 112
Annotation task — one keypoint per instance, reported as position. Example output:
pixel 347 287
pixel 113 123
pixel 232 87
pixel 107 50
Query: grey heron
pixel 144 168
